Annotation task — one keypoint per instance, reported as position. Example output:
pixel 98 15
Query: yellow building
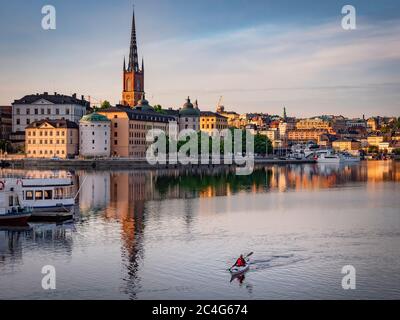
pixel 52 138
pixel 129 128
pixel 210 121
pixel 305 135
pixel 375 140
pixel 314 123
pixel 346 145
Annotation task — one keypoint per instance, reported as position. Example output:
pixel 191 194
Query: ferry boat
pixel 51 198
pixel 12 212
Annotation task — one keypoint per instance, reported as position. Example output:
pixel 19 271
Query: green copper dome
pixel 95 117
pixel 189 110
pixel 144 105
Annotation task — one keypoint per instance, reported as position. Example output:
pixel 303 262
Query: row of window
pixel 42 111
pixel 46 152
pixel 47 133
pixel 213 126
pixel 45 141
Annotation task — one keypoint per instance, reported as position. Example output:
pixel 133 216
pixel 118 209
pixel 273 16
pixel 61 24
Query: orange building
pixel 305 135
pixel 133 76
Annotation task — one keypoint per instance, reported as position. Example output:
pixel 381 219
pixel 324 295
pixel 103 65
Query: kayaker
pixel 240 262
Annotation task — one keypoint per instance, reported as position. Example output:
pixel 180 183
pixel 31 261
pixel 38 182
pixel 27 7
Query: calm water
pixel 171 235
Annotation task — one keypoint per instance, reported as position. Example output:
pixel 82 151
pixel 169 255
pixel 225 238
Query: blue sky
pixel 259 55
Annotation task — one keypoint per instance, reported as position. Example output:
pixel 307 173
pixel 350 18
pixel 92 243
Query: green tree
pixel 373 149
pixel 396 152
pixel 5 146
pixel 158 108
pixel 105 104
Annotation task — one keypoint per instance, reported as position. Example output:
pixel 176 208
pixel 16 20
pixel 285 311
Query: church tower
pixel 133 76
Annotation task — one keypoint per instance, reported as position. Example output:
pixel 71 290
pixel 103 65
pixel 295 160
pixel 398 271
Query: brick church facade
pixel 133 76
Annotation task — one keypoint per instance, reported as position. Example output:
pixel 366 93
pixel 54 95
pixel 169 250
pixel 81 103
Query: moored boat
pixel 12 212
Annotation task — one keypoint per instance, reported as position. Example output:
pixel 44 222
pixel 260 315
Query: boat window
pixel 29 195
pixel 39 195
pixel 48 194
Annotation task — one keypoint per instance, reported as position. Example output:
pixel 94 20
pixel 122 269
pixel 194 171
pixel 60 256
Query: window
pixel 18 121
pixel 115 134
pixel 48 194
pixel 36 111
pixel 10 201
pixel 28 121
pixel 41 111
pixel 115 125
pixel 18 111
pixel 67 111
pixel 92 141
pixel 57 111
pixel 38 195
pixel 115 142
pixel 28 111
pixel 48 111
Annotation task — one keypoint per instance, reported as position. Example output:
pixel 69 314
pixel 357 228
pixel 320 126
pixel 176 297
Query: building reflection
pixel 14 239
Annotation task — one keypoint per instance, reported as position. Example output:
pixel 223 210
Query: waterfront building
pixel 305 135
pixel 38 107
pixel 210 121
pixel 272 134
pixel 5 122
pixel 233 118
pixel 52 138
pixel 285 126
pixel 346 145
pixel 189 116
pixel 95 135
pixel 133 76
pixel 129 128
pixel 375 140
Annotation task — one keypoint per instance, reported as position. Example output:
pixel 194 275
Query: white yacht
pixel 329 158
pixel 49 196
pixel 12 212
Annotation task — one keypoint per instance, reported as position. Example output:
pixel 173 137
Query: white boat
pixel 346 157
pixel 12 212
pixel 54 194
pixel 329 158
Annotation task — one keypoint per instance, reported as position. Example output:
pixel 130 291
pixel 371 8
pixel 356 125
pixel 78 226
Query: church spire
pixel 124 66
pixel 133 55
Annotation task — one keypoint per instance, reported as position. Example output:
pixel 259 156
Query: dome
pixel 144 105
pixel 95 117
pixel 189 110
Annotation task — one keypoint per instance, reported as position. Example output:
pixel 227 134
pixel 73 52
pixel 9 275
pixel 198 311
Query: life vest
pixel 240 262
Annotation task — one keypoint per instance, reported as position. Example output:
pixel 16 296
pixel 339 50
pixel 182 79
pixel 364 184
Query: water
pixel 171 235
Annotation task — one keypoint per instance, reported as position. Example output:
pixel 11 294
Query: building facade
pixel 314 123
pixel 346 145
pixel 210 121
pixel 5 122
pixel 133 76
pixel 52 138
pixel 305 135
pixel 94 135
pixel 33 108
pixel 129 128
pixel 189 116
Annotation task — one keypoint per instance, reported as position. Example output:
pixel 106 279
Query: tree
pixel 396 152
pixel 105 104
pixel 373 149
pixel 158 108
pixel 5 146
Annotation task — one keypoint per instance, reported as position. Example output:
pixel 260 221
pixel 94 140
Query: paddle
pixel 244 258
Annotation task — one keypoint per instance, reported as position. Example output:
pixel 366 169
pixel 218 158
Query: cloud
pixel 257 64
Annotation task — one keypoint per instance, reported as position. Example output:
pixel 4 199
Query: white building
pixel 38 107
pixel 189 116
pixel 95 136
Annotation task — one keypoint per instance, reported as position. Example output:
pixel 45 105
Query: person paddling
pixel 240 262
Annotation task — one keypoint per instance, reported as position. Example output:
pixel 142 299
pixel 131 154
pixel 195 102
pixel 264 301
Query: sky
pixel 259 55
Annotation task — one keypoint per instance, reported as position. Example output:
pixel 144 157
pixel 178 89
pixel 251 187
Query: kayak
pixel 238 270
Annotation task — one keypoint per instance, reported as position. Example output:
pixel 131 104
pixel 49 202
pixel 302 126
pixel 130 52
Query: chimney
pixel 45 93
pixel 55 93
pixel 82 97
pixel 74 96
